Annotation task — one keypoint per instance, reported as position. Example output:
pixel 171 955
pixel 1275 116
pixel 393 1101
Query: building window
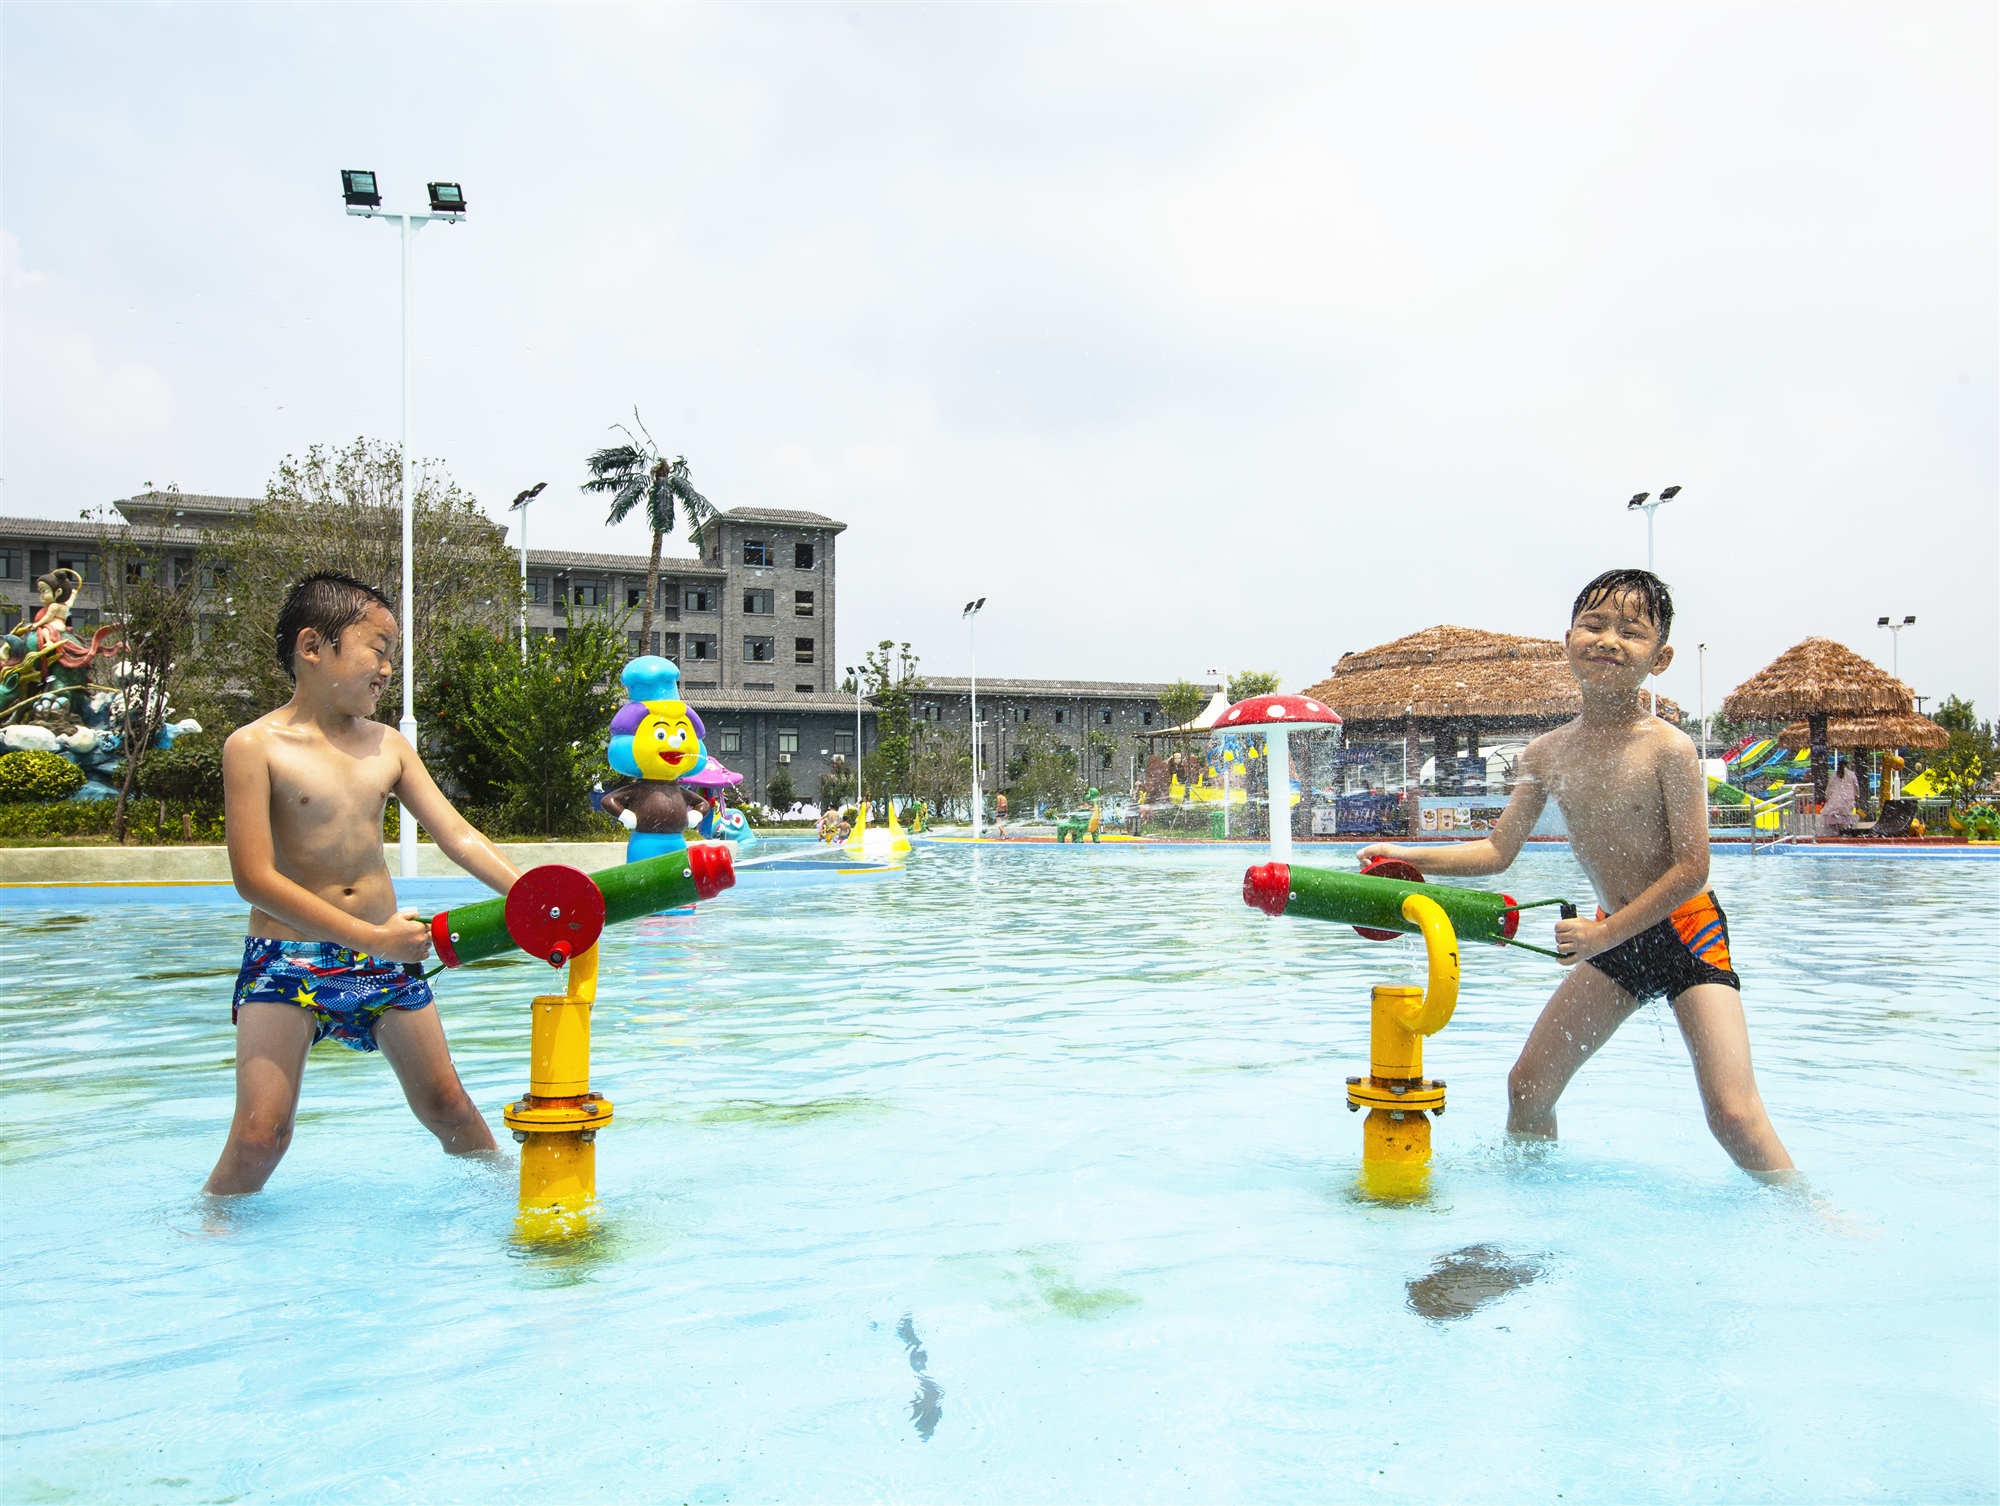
pixel 758 603
pixel 138 572
pixel 13 568
pixel 929 711
pixel 802 556
pixel 700 599
pixel 759 685
pixel 756 552
pixel 83 617
pixel 635 597
pixel 589 593
pixel 759 650
pixel 788 739
pixel 802 650
pixel 670 601
pixel 83 564
pixel 843 744
pixel 805 689
pixel 1104 758
pixel 632 641
pixel 1020 713
pixel 1062 716
pixel 538 591
pixel 729 740
pixel 672 646
pixel 1149 719
pixel 1104 716
pixel 701 646
pixel 802 603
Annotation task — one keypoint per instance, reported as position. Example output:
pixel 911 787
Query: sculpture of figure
pixel 44 660
pixel 656 739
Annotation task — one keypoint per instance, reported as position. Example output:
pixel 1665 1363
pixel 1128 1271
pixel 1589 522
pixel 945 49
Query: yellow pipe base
pixel 1396 1156
pixel 558 1184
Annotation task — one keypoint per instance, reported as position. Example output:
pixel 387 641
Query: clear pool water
pixel 1020 1176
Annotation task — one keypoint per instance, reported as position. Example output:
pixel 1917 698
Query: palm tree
pixel 632 472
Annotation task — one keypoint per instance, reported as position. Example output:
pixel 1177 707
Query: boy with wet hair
pixel 1636 804
pixel 328 953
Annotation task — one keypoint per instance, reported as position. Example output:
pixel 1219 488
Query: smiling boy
pixel 1636 805
pixel 328 954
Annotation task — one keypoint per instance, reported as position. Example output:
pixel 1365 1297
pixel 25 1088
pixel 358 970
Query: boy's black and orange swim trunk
pixel 1690 946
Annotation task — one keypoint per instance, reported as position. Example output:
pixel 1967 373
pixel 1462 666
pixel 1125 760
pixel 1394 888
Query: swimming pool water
pixel 1022 1175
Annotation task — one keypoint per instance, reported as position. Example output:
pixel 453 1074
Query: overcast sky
pixel 1228 336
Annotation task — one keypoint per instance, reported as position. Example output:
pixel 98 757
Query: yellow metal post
pixel 557 1122
pixel 1396 1139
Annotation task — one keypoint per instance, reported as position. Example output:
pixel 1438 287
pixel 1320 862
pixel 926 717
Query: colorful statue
pixel 721 824
pixel 656 739
pixel 43 665
pixel 1077 826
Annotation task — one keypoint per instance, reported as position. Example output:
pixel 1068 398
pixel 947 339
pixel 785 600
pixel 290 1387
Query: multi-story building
pixel 750 622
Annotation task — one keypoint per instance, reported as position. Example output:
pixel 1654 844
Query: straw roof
pixel 1887 729
pixel 1458 674
pixel 1817 675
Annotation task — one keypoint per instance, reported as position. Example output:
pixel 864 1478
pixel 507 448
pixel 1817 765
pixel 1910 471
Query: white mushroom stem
pixel 1278 780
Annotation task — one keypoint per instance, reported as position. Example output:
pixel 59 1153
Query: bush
pixel 38 776
pixel 93 818
pixel 779 791
pixel 189 772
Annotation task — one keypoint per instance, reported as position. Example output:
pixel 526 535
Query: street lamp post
pixel 855 675
pixel 363 198
pixel 973 643
pixel 1222 675
pixel 520 505
pixel 1640 504
pixel 1701 680
pixel 1896 642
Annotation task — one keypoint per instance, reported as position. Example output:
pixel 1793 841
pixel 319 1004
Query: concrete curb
pixel 68 867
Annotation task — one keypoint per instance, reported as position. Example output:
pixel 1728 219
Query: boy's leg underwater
pixel 271 1045
pixel 1718 1042
pixel 1581 1015
pixel 413 1040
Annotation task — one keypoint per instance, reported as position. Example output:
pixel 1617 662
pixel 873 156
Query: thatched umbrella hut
pixel 1452 684
pixel 1884 729
pixel 1818 679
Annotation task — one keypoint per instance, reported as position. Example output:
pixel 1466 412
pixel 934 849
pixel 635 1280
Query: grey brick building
pixel 750 622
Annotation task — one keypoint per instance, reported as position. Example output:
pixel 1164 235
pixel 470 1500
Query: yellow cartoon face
pixel 665 745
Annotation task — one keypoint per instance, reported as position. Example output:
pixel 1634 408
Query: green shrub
pixel 30 822
pixel 38 776
pixel 189 772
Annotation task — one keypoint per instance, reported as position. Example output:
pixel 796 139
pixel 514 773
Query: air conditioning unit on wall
pixel 784 758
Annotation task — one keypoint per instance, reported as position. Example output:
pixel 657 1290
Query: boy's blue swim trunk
pixel 344 991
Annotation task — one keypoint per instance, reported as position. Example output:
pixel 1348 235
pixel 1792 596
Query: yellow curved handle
pixel 1441 946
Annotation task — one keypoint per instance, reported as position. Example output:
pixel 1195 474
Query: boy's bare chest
pixel 320 784
pixel 1591 790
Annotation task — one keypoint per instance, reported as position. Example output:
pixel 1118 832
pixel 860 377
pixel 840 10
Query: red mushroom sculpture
pixel 1275 716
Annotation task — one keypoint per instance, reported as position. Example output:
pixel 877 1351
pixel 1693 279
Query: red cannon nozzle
pixel 711 869
pixel 1268 887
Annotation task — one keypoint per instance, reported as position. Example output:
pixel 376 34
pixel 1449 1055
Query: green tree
pixel 940 769
pixel 635 472
pixel 187 773
pixel 1251 682
pixel 342 510
pixel 779 792
pixel 1956 715
pixel 464 667
pixel 1042 770
pixel 1182 702
pixel 835 790
pixel 545 722
pixel 889 675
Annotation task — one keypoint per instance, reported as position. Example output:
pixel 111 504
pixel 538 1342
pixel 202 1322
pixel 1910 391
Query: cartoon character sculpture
pixel 656 739
pixel 43 663
pixel 721 824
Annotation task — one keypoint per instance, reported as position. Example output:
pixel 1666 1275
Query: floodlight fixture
pixel 1638 501
pixel 358 188
pixel 447 199
pixel 973 606
pixel 1881 622
pixel 1670 493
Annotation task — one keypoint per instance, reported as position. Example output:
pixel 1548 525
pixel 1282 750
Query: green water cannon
pixel 556 912
pixel 1372 901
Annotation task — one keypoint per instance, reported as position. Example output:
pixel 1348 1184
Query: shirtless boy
pixel 1636 804
pixel 328 953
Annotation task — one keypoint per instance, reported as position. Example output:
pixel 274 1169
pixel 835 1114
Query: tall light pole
pixel 1640 504
pixel 1896 642
pixel 971 616
pixel 1701 673
pixel 1223 676
pixel 855 675
pixel 520 505
pixel 363 198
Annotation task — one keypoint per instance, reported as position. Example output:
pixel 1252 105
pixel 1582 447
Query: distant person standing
pixel 999 818
pixel 1842 791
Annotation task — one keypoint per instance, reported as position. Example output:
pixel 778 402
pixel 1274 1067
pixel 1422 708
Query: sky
pixel 1219 337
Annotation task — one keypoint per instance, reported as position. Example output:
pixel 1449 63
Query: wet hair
pixel 1649 588
pixel 62 584
pixel 327 602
